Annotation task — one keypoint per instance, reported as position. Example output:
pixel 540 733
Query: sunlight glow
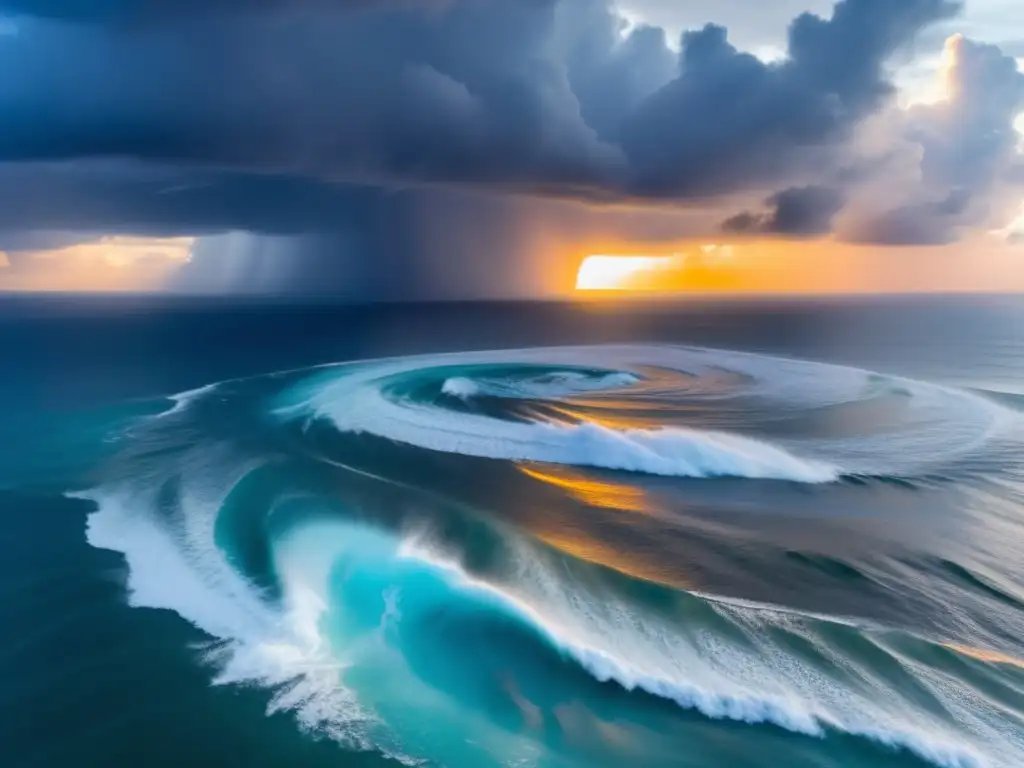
pixel 951 56
pixel 109 263
pixel 934 81
pixel 601 272
pixel 984 262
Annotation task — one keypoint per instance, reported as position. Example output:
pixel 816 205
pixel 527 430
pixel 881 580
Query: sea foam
pixel 181 569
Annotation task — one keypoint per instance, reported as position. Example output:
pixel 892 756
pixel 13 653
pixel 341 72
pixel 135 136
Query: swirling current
pixel 607 555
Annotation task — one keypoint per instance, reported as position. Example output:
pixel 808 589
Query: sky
pixel 407 149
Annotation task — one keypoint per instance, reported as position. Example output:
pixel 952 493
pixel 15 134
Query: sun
pixel 600 272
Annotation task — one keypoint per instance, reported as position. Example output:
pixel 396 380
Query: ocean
pixel 670 533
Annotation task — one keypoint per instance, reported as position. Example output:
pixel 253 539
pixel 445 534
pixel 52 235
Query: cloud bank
pixel 350 128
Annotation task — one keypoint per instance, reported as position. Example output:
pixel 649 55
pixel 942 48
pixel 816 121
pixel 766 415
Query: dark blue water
pixel 700 534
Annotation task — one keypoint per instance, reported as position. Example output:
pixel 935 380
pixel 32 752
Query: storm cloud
pixel 474 91
pixel 352 127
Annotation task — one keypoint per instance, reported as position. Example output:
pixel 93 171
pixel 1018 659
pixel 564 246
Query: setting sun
pixel 618 273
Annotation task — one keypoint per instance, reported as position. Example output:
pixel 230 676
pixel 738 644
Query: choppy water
pixel 645 552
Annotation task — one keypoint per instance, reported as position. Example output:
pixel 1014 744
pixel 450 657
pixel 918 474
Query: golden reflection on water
pixel 610 415
pixel 582 544
pixel 601 553
pixel 981 654
pixel 595 493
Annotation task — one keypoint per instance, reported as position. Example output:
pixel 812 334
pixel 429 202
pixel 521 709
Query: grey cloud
pixel 1013 48
pixel 730 119
pixel 476 92
pixel 798 211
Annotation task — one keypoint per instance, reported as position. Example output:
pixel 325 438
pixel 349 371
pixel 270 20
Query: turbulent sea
pixel 732 534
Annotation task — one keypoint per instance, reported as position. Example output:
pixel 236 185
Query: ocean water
pixel 468 535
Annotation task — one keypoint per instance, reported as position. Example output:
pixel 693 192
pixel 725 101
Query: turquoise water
pixel 643 551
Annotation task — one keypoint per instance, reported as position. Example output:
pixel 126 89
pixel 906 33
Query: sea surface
pixel 687 533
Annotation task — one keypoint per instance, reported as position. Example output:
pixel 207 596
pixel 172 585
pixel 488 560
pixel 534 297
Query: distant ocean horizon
pixel 714 531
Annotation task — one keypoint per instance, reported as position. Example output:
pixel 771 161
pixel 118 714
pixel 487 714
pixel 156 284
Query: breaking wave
pixel 645 417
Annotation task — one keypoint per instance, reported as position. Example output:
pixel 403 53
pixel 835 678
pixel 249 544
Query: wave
pixel 357 625
pixel 672 452
pixel 719 678
pixel 460 387
pixel 539 386
pixel 285 648
pixel 180 568
pixel 182 400
pixel 392 399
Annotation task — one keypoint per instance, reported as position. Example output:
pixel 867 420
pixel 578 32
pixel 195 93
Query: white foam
pixel 253 642
pixel 759 682
pixel 673 452
pixel 554 385
pixel 460 387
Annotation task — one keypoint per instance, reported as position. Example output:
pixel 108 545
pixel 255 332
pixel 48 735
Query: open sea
pixel 687 533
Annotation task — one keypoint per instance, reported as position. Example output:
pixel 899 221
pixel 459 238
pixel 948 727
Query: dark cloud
pixel 609 72
pixel 414 147
pixel 130 198
pixel 460 96
pixel 730 119
pixel 798 211
pixel 476 92
pixel 106 11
